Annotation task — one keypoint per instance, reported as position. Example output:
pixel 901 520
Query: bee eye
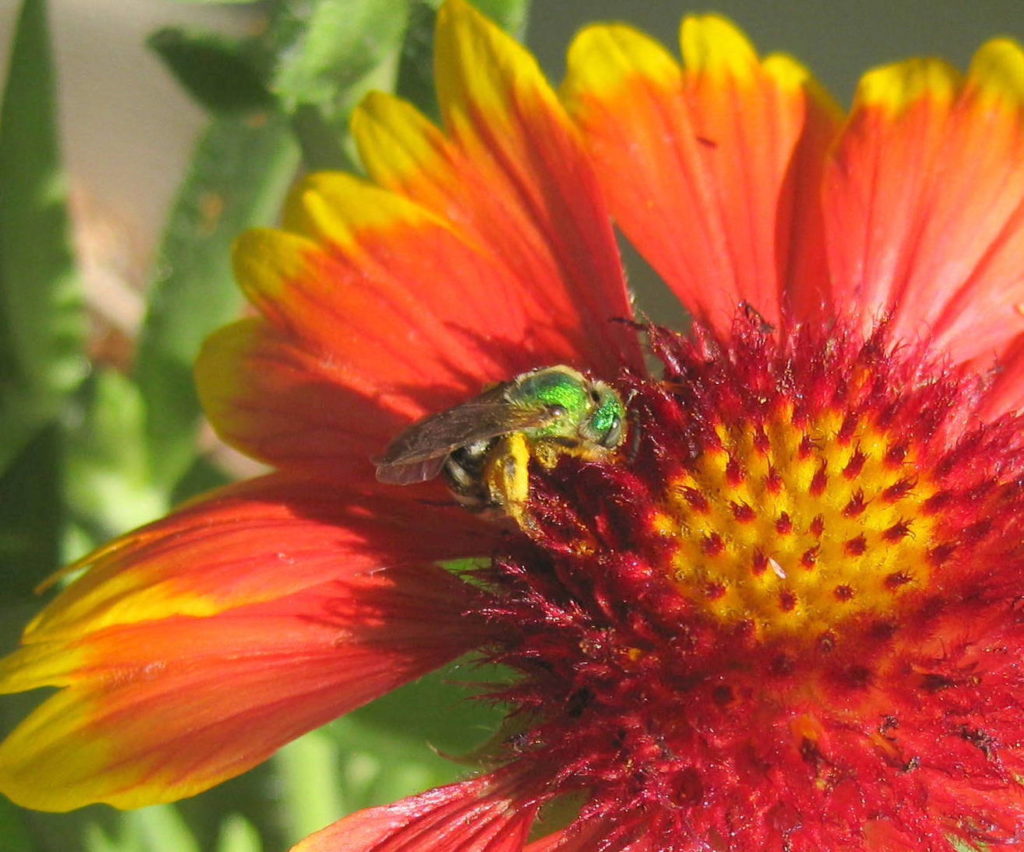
pixel 556 411
pixel 613 433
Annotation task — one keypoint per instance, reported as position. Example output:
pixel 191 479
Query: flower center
pixel 795 523
pixel 784 494
pixel 778 586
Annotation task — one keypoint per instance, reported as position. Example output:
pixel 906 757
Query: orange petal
pixel 510 173
pixel 402 150
pixel 592 836
pixel 925 201
pixel 1007 391
pixel 712 171
pixel 482 814
pixel 376 282
pixel 278 401
pixel 250 543
pixel 193 648
pixel 377 312
pixel 163 709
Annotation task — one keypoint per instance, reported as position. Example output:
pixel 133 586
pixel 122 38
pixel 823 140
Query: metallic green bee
pixel 484 445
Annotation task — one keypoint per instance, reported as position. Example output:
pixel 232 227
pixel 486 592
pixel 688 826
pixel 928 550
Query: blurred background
pixel 158 183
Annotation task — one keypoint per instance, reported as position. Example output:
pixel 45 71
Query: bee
pixel 484 446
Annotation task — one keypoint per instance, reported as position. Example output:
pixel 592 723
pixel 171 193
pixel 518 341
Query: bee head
pixel 576 410
pixel 606 425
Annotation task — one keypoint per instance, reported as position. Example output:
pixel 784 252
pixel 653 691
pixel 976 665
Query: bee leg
pixel 508 475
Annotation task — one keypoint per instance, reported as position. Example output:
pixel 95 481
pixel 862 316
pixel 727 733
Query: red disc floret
pixel 787 614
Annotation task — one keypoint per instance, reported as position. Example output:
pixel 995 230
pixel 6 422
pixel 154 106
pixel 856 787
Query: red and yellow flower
pixel 784 615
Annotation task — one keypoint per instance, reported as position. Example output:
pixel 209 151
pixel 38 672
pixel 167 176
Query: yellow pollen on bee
pixel 797 527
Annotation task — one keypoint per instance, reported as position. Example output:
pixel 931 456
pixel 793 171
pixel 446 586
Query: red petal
pixel 592 836
pixel 494 255
pixel 712 171
pixel 512 175
pixel 1007 391
pixel 925 202
pixel 194 648
pixel 482 815
pixel 272 397
pixel 377 313
pixel 253 542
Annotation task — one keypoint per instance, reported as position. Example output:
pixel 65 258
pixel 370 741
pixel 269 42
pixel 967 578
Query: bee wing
pixel 419 453
pixel 392 473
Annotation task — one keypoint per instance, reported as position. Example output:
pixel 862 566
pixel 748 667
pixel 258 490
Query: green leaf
pixel 439 709
pixel 31 525
pixel 155 829
pixel 382 765
pixel 309 771
pixel 42 321
pixel 162 829
pixel 510 15
pixel 220 73
pixel 12 829
pixel 107 482
pixel 415 81
pixel 380 753
pixel 383 752
pixel 238 835
pixel 204 475
pixel 239 175
pixel 349 765
pixel 329 54
pixel 96 839
pixel 327 46
pixel 416 67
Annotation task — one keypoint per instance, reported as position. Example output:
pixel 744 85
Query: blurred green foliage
pixel 89 450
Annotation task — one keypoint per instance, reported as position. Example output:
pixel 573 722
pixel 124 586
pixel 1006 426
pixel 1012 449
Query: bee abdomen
pixel 465 474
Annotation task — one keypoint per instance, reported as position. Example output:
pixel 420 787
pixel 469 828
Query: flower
pixel 783 614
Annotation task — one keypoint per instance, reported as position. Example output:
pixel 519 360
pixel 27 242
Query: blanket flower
pixel 783 612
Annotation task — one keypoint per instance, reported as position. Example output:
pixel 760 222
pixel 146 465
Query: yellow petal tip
pixel 394 139
pixel 479 63
pixel 604 57
pixel 997 71
pixel 265 259
pixel 714 45
pixel 894 87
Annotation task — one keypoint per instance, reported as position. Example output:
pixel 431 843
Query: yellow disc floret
pixel 793 528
